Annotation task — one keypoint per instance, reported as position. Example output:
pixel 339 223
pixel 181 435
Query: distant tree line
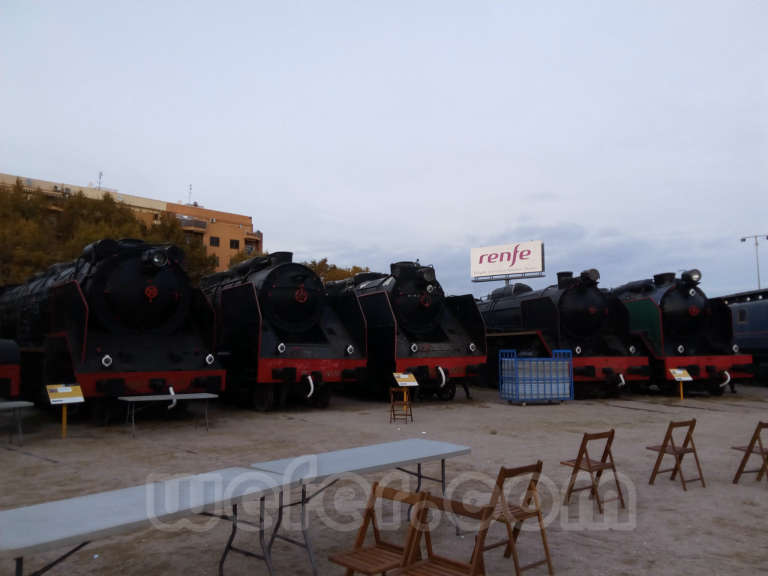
pixel 327 272
pixel 37 230
pixel 331 272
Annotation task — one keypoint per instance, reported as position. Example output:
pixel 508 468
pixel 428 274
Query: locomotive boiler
pixel 574 314
pixel 413 326
pixel 684 329
pixel 121 319
pixel 279 334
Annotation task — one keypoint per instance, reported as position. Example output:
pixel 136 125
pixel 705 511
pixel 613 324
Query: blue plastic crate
pixel 535 379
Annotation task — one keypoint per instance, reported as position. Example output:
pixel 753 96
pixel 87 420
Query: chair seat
pixel 588 464
pixel 755 450
pixel 370 560
pixel 516 512
pixel 671 450
pixel 436 567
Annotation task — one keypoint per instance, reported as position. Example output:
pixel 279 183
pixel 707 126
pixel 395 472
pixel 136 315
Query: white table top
pixel 162 397
pixel 361 460
pixel 10 405
pixel 75 520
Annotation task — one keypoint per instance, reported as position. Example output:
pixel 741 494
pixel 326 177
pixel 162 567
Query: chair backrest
pixel 530 495
pixel 669 437
pixel 481 513
pixel 379 492
pixel 595 437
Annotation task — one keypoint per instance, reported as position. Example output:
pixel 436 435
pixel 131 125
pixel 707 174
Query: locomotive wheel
pixel 263 397
pixel 448 391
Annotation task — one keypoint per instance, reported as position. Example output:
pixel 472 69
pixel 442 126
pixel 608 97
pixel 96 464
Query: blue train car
pixel 750 327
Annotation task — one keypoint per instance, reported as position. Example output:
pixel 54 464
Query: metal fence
pixel 535 379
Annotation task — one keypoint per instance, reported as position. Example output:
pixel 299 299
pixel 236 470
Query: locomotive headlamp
pixel 735 348
pixel 632 349
pixel 350 350
pixel 280 348
pixel 414 348
pixel 472 347
pixel 693 276
pixel 106 360
pixel 430 288
pixel 691 292
pixel 577 350
pixel 680 349
pixel 209 359
pixel 159 258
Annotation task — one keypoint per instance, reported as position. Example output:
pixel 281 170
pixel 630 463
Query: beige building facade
pixel 223 234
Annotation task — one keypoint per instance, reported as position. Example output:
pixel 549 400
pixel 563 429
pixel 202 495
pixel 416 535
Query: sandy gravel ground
pixel 720 529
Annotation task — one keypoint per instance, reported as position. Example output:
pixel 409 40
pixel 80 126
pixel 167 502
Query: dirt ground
pixel 719 529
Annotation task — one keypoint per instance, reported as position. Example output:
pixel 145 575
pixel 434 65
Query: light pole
pixel 757 256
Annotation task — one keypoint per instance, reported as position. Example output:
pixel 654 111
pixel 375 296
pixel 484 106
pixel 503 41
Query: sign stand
pixel 680 375
pixel 64 394
pixel 400 407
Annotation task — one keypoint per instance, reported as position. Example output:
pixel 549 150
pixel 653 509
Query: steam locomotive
pixel 750 327
pixel 9 369
pixel 278 332
pixel 413 327
pixel 121 319
pixel 684 329
pixel 573 314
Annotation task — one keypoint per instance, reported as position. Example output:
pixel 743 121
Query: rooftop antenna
pixel 101 174
pixel 189 200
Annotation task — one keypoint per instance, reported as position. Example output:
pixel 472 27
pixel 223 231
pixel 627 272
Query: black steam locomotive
pixel 121 319
pixel 10 374
pixel 750 327
pixel 413 327
pixel 684 329
pixel 278 332
pixel 574 314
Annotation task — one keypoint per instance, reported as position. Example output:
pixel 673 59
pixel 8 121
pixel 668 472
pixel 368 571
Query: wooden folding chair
pixel 436 565
pixel 595 468
pixel 513 515
pixel 755 447
pixel 668 446
pixel 382 556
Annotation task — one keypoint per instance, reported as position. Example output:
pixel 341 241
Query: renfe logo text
pixel 512 257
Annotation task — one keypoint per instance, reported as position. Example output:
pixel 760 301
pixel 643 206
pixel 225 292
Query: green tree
pixel 242 256
pixel 40 230
pixel 330 272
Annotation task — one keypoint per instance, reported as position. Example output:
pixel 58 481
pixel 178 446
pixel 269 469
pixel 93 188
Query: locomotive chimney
pixel 564 279
pixel 663 278
pixel 397 268
pixel 281 258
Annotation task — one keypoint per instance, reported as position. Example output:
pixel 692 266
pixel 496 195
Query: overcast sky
pixel 631 137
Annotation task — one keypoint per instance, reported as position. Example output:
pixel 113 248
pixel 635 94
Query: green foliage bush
pixel 37 230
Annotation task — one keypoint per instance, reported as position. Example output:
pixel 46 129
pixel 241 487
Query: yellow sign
pixel 680 374
pixel 65 394
pixel 405 379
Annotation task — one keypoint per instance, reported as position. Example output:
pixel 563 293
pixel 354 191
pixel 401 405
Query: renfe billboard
pixel 519 258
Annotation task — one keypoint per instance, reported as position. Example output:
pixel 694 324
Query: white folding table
pixel 173 398
pixel 320 467
pixel 77 521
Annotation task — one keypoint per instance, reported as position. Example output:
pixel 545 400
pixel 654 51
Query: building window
pixel 214 241
pixel 156 217
pixel 234 244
